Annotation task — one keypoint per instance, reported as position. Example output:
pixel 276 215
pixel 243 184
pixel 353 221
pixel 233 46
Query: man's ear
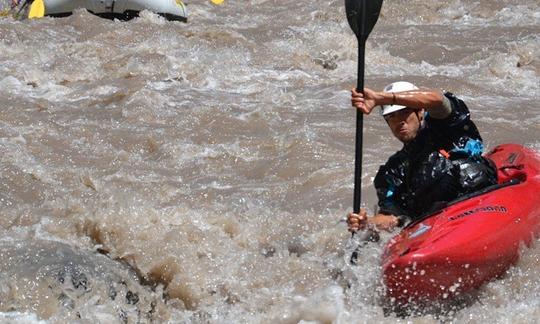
pixel 421 113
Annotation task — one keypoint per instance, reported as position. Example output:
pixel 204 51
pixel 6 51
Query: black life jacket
pixel 442 163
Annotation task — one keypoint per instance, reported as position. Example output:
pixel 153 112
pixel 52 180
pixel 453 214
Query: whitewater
pixel 200 172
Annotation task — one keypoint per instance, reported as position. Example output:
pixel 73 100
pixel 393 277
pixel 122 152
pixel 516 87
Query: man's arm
pixel 433 101
pixel 361 221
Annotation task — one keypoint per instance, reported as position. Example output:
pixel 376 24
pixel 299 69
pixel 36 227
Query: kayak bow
pixel 470 242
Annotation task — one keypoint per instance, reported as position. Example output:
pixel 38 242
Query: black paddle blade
pixel 362 16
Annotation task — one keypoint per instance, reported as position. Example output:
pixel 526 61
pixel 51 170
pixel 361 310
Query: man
pixel 440 159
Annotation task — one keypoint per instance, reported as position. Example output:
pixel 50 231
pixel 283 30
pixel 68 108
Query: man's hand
pixel 364 102
pixel 360 221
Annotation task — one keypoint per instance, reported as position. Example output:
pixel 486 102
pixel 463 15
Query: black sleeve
pixel 389 183
pixel 455 128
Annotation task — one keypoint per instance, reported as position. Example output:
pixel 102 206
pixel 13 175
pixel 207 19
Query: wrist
pixel 383 221
pixel 387 98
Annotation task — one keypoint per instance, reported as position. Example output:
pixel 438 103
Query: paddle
pixel 25 4
pixel 37 9
pixel 362 16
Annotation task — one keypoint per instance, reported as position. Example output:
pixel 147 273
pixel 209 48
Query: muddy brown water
pixel 215 157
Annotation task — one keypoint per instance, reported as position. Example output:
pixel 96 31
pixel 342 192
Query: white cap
pixel 396 87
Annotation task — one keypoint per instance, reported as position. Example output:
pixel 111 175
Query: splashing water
pixel 210 162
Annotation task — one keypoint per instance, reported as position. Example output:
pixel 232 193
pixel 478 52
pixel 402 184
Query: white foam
pixel 22 318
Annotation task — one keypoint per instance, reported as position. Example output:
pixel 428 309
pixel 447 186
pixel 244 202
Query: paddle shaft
pixel 25 4
pixel 359 134
pixel 357 199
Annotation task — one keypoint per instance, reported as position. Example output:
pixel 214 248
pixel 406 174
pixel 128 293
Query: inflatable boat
pixel 473 240
pixel 121 9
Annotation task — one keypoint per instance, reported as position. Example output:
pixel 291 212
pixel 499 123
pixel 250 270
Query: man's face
pixel 404 124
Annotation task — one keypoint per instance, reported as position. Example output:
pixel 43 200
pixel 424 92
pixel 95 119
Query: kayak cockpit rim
pixel 486 190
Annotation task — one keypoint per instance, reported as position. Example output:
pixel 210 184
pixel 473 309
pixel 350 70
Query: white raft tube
pixel 124 9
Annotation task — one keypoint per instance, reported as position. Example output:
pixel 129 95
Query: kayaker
pixel 440 159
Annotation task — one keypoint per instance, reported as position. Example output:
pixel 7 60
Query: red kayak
pixel 473 240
